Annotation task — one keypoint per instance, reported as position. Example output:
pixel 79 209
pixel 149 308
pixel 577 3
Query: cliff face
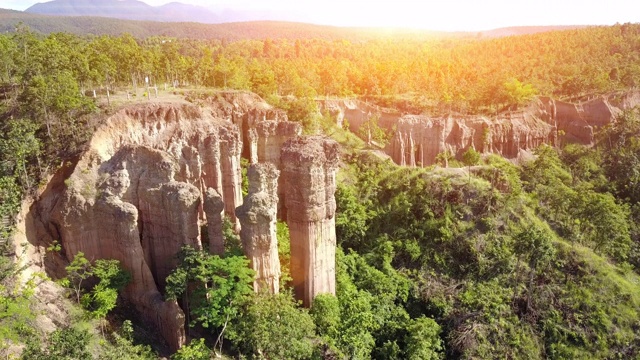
pixel 258 219
pixel 151 176
pixel 309 170
pixel 133 214
pixel 418 139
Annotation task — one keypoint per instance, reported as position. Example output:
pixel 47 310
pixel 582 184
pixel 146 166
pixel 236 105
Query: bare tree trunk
pixel 219 340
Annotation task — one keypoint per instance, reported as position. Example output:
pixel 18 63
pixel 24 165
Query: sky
pixel 446 15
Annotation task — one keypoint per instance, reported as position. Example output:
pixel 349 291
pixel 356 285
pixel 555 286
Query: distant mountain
pixel 83 25
pixel 126 9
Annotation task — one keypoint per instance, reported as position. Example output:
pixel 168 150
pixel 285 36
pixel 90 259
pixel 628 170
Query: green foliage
pixel 534 246
pixel 574 206
pixel 506 266
pixel 101 300
pixel 273 327
pixel 78 271
pixel 284 253
pixel 218 287
pixel 19 146
pixel 15 311
pixel 470 157
pixel 621 163
pixel 232 243
pixel 481 262
pixel 351 220
pixel 195 350
pixel 372 133
pixel 518 93
pixel 325 313
pixel 300 109
pixel 121 346
pixel 111 274
pixel 104 295
pixel 444 157
pixel 63 344
pixel 244 164
pixel 423 340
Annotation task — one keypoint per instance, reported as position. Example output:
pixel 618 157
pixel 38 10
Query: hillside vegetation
pixel 491 260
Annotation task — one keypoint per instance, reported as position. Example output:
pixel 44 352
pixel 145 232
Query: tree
pixel 443 158
pixel 18 147
pixel 77 272
pixel 469 158
pixel 518 93
pixel 111 274
pixel 271 326
pixel 103 297
pixel 423 340
pixel 372 132
pixel 325 313
pixel 536 248
pixel 215 288
pixel 620 147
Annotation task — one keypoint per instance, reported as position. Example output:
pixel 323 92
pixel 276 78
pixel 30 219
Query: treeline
pixel 44 78
pixel 82 25
pixel 461 74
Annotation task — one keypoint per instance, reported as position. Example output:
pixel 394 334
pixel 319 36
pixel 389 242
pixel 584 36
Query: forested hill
pixel 82 25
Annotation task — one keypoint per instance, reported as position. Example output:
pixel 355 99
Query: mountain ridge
pixel 126 10
pixel 83 25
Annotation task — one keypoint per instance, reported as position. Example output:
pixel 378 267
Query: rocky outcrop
pixel 151 176
pixel 263 127
pixel 268 137
pixel 309 170
pixel 258 232
pixel 122 218
pixel 417 139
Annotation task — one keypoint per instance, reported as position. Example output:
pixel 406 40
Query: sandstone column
pixel 309 169
pixel 258 232
pixel 231 149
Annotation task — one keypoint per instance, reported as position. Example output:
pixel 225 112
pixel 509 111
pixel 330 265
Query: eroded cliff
pixel 152 175
pixel 418 139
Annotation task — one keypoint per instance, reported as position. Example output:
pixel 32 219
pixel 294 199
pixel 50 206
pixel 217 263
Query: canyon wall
pixel 152 175
pixel 309 172
pixel 418 139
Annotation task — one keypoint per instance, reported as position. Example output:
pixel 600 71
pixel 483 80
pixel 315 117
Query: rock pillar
pixel 258 232
pixel 309 171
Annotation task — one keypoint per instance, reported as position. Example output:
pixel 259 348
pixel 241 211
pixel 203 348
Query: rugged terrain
pixel 418 139
pixel 154 174
pixel 158 176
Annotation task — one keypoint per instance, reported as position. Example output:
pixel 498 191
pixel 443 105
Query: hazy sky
pixel 430 14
